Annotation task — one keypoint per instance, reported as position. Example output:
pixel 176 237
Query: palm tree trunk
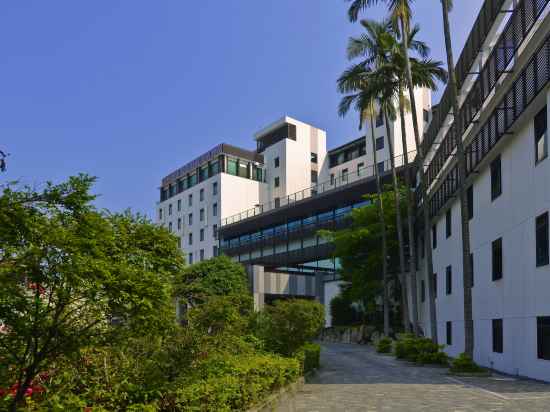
pixel 399 223
pixel 425 206
pixel 385 295
pixel 410 217
pixel 464 217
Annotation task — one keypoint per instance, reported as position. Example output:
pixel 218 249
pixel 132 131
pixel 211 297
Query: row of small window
pixel 543 336
pixel 190 200
pixel 202 235
pixel 277 161
pixel 204 172
pixel 344 173
pixel 202 214
pixel 353 152
pixel 190 259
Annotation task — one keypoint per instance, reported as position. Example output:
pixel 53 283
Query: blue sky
pixel 129 90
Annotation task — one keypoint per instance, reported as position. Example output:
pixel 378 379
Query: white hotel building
pixel 264 207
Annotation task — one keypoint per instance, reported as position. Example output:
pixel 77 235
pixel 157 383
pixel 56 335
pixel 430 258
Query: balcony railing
pixel 318 189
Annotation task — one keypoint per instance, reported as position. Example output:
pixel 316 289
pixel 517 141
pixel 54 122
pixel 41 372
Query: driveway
pixel 356 378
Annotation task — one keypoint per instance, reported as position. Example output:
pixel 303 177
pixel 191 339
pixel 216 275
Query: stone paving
pixel 356 378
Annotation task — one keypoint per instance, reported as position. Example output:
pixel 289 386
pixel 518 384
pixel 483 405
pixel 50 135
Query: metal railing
pixel 318 189
pixel 515 32
pixel 533 79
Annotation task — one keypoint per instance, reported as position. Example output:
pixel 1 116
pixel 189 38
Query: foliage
pixel 419 350
pixel 384 345
pixel 222 314
pixel 465 364
pixel 219 276
pixel 343 312
pixel 289 324
pixel 310 355
pixel 73 277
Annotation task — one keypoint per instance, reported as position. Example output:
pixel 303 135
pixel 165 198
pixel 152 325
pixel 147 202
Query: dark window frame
pixel 449 330
pixel 496 178
pixel 540 124
pixel 449 280
pixel 497 259
pixel 379 143
pixel 448 223
pixel 542 240
pixel 543 337
pixel 276 162
pixel 276 181
pixel 498 335
pixel 434 236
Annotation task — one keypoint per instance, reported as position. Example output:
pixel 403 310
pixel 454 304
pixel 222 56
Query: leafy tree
pixel 219 276
pixel 343 312
pixel 72 277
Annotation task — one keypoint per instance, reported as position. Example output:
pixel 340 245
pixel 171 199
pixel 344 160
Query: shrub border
pixel 282 394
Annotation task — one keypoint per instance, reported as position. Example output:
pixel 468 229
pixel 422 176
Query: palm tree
pixel 400 13
pixel 464 218
pixel 352 81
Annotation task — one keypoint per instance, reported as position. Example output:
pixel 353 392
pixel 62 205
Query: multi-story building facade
pixel 503 74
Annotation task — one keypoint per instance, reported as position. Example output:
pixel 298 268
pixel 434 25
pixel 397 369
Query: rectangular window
pixel 344 175
pixel 543 337
pixel 435 284
pixel 498 336
pixel 497 259
pixel 179 242
pixel 422 291
pixel 201 235
pixel 170 209
pixel 496 178
pixel 541 136
pixel 449 333
pixel 276 162
pixel 215 231
pixel 314 176
pixel 190 258
pixel 215 209
pixel 331 182
pixel 426 114
pixel 232 167
pixel 448 224
pixel 214 188
pixel 179 223
pixel 214 251
pixel 201 254
pixel 190 200
pixel 276 182
pixel 380 167
pixel 380 143
pixel 380 119
pixel 542 239
pixel 160 214
pixel 313 157
pixel 434 236
pixel 277 201
pixel 170 227
pixel 243 169
pixel 190 219
pixel 449 280
pixel 190 240
pixel 201 195
pixel 360 168
pixel 201 215
pixel 179 205
pixel 470 198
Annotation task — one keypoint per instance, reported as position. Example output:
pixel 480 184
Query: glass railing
pixel 320 188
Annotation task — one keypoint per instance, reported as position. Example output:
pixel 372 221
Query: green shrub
pixel 419 350
pixel 384 345
pixel 310 356
pixel 465 364
pixel 343 312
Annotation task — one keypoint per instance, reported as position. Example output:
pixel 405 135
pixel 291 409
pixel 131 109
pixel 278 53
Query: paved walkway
pixel 356 378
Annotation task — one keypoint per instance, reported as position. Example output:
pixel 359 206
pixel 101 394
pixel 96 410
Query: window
pixel 170 209
pixel 426 114
pixel 190 218
pixel 232 167
pixel 498 336
pixel 496 178
pixel 380 167
pixel 380 143
pixel 448 224
pixel 215 231
pixel 541 136
pixel 360 168
pixel 497 259
pixel 470 201
pixel 170 227
pixel 422 291
pixel 190 200
pixel 201 215
pixel 276 182
pixel 179 242
pixel 243 169
pixel 314 176
pixel 380 119
pixel 214 188
pixel 277 201
pixel 160 214
pixel 434 236
pixel 449 333
pixel 214 251
pixel 276 162
pixel 179 205
pixel 215 209
pixel 313 157
pixel 449 280
pixel 201 235
pixel 201 195
pixel 179 223
pixel 473 271
pixel 543 337
pixel 542 239
pixel 201 254
pixel 190 240
pixel 331 182
pixel 190 258
pixel 435 284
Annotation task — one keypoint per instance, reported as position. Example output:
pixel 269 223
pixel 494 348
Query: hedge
pixel 310 356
